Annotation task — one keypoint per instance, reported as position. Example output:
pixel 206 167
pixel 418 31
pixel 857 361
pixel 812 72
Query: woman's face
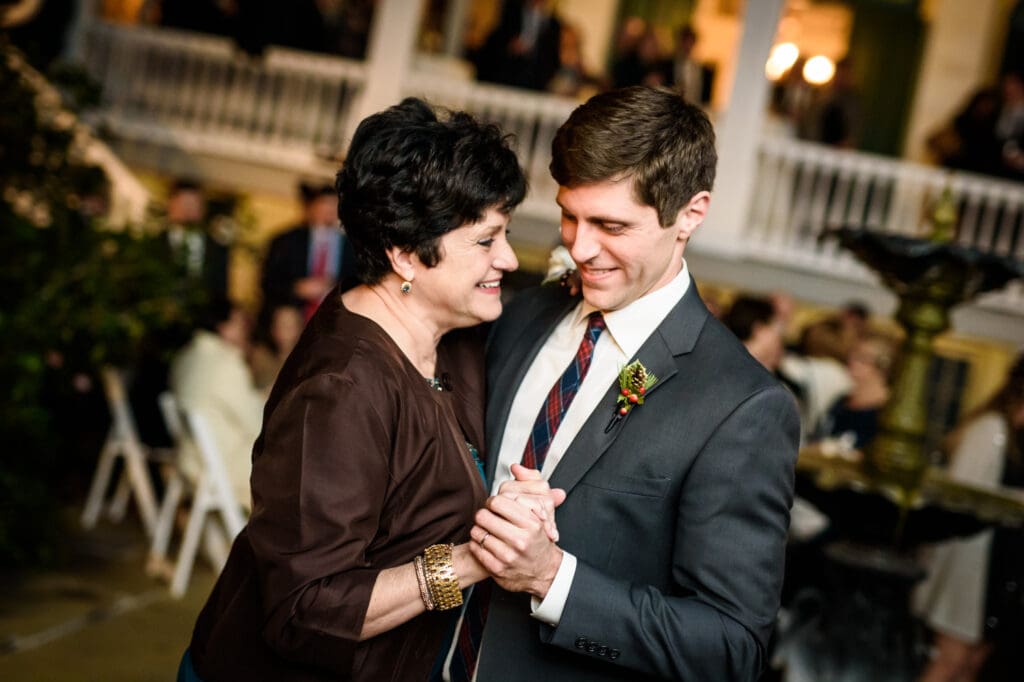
pixel 863 363
pixel 464 288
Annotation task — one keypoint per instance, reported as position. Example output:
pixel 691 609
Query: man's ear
pixel 403 263
pixel 692 214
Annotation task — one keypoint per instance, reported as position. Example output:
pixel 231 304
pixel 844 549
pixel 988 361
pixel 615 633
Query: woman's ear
pixel 403 263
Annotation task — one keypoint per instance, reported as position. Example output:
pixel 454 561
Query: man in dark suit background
pixel 304 262
pixel 205 257
pixel 523 49
pixel 670 559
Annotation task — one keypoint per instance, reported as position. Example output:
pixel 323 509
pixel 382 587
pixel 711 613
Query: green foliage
pixel 73 293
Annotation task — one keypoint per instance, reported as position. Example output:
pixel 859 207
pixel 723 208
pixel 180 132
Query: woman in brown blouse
pixel 364 474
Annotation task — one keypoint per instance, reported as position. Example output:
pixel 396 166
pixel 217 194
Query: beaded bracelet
pixel 421 582
pixel 442 582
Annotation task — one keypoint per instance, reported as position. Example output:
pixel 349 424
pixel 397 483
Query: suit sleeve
pixel 319 485
pixel 278 279
pixel 728 562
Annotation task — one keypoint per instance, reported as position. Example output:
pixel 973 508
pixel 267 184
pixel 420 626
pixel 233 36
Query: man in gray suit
pixel 674 447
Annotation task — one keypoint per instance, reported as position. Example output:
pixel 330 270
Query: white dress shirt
pixel 625 332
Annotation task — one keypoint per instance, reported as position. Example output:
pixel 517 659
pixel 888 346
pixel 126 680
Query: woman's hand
pixel 515 533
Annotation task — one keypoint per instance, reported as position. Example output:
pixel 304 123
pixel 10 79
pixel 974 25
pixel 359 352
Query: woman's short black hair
pixel 411 176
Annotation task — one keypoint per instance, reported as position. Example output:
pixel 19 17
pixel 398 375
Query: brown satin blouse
pixel 359 467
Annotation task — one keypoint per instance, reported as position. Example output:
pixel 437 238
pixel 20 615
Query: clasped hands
pixel 515 533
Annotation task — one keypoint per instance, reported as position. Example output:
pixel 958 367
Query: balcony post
pixel 85 14
pixel 739 133
pixel 393 35
pixel 455 27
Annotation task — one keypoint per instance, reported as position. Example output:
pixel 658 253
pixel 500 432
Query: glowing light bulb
pixel 781 60
pixel 819 70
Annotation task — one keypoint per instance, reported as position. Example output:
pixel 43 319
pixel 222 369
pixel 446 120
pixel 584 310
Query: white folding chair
pixel 122 442
pixel 177 488
pixel 213 494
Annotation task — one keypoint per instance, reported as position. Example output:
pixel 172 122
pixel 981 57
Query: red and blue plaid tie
pixel 544 427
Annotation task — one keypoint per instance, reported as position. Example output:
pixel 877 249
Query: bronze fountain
pixel 862 626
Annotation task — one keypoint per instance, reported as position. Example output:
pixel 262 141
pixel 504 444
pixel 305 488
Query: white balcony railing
pixel 292 108
pixel 802 190
pixel 199 93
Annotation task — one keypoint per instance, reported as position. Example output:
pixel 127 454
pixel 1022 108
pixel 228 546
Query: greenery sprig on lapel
pixel 634 382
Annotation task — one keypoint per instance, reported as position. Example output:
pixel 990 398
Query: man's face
pixel 186 207
pixel 620 249
pixel 323 210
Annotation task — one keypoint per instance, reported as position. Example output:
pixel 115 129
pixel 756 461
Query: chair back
pixel 215 474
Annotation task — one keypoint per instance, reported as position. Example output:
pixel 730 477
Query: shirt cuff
pixel 550 610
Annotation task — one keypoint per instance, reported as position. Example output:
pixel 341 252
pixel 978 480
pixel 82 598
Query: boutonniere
pixel 634 382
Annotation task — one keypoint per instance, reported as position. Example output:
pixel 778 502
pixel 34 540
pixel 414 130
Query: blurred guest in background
pixel 969 142
pixel 688 76
pixel 971 597
pixel 836 335
pixel 205 257
pixel 1010 126
pixel 307 260
pixel 816 383
pixel 274 343
pixel 641 62
pixel 523 49
pixel 834 116
pixel 857 412
pixel 210 375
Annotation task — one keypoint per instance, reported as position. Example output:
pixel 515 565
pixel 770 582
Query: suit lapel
pixel 530 339
pixel 676 335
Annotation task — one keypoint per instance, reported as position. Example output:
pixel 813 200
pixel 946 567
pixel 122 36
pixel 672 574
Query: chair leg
pixel 100 481
pixel 118 505
pixel 215 545
pixel 141 486
pixel 156 564
pixel 189 545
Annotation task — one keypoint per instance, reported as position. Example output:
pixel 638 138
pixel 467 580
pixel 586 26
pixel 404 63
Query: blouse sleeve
pixel 319 483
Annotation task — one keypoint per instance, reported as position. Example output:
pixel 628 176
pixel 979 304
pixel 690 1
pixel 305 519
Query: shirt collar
pixel 631 326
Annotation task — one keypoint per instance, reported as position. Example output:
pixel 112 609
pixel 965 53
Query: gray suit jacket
pixel 677 513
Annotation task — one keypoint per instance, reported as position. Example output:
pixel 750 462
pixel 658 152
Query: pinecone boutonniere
pixel 634 382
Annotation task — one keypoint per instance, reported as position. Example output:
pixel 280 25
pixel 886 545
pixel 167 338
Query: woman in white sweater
pixel 971 598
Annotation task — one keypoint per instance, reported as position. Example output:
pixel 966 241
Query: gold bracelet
pixel 421 582
pixel 441 579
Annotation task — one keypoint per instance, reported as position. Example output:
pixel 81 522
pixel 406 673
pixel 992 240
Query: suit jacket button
pixel 591 647
pixel 613 654
pixel 602 651
pixel 581 642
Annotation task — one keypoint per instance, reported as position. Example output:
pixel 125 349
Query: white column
pixel 961 53
pixel 739 133
pixel 389 53
pixel 85 14
pixel 455 27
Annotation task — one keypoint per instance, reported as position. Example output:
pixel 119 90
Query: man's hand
pixel 515 534
pixel 313 288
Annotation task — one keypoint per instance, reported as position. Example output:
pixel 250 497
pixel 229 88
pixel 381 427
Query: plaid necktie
pixel 559 398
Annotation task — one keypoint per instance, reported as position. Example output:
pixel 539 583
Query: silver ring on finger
pixel 486 535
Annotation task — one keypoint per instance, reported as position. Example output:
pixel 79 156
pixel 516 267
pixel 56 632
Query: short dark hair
pixel 311 190
pixel 747 311
pixel 411 176
pixel 215 311
pixel 184 185
pixel 666 145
